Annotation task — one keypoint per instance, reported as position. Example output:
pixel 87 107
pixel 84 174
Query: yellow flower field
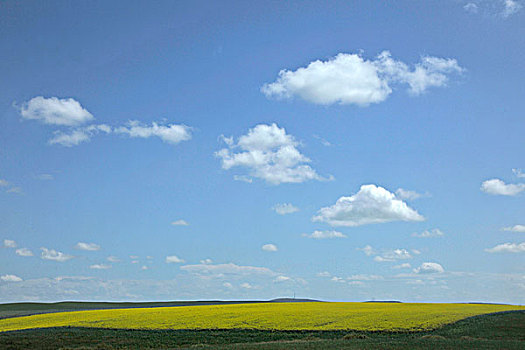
pixel 269 316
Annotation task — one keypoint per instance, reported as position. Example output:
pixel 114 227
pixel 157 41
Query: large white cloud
pixel 498 187
pixel 51 254
pixel 352 79
pixel 170 133
pixel 269 153
pixel 372 204
pixel 55 111
pixel 507 248
pixel 429 267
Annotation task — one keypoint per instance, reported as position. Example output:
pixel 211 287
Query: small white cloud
pixel 4 183
pixel 180 223
pixel 351 79
pixel 381 259
pixel 397 254
pixel 285 208
pixel 368 250
pixel 227 285
pixel 9 243
pixel 100 266
pixel 518 173
pixel 507 248
pixel 133 256
pixel 471 7
pixel 227 269
pixel 269 248
pixel 372 204
pixel 17 190
pixel 170 133
pixel 402 266
pixel 243 178
pixel 144 268
pixel 408 195
pixel 510 7
pixel 206 261
pixel 324 235
pixel 55 111
pixel 134 261
pixel 324 274
pixel 74 137
pixel 515 228
pixel 87 246
pixel 24 252
pixel 45 177
pixel 356 283
pixel 269 153
pixel 282 279
pixel 10 278
pixel 113 259
pixel 51 254
pixel 246 285
pixel 173 259
pixel 337 279
pixel 498 187
pixel 429 233
pixel 415 251
pixel 365 278
pixel 429 267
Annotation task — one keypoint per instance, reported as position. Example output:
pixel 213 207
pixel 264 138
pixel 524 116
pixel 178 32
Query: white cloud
pixel 365 278
pixel 381 259
pixel 429 267
pixel 518 173
pixel 144 268
pixel 170 133
pixel 402 266
pixel 180 223
pixel 324 274
pixel 45 177
pixel 227 285
pixel 429 233
pixel 9 243
pixel 471 7
pixel 100 266
pixel 10 278
pixel 282 279
pixel 338 279
pixel 246 285
pixel 351 79
pixel 87 246
pixel 112 259
pixel 4 183
pixel 206 261
pixel 510 7
pixel 368 250
pixel 227 269
pixel 24 252
pixel 55 111
pixel 285 208
pixel 269 153
pixel 324 234
pixel 515 228
pixel 356 283
pixel 508 248
pixel 74 137
pixel 17 190
pixel 51 254
pixel 408 195
pixel 173 259
pixel 372 204
pixel 498 187
pixel 243 178
pixel 269 248
pixel 397 254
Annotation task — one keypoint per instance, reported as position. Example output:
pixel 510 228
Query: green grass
pixel 496 331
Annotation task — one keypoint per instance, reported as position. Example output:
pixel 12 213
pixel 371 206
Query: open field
pixel 494 331
pixel 267 316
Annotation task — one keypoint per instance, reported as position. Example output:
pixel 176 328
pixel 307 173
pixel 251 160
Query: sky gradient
pixel 232 150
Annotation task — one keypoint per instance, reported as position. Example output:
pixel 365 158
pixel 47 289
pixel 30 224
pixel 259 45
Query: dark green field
pixel 496 331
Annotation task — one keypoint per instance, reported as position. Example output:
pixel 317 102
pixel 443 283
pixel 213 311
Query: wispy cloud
pixel 285 208
pixel 324 234
pixel 87 246
pixel 51 254
pixel 507 248
pixel 429 233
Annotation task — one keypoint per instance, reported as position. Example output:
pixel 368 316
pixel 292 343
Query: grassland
pixel 268 316
pixel 494 331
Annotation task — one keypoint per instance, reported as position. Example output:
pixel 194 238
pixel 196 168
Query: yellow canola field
pixel 269 316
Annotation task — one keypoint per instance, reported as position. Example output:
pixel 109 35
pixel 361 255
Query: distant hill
pixel 292 300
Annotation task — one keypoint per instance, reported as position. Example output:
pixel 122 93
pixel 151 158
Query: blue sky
pixel 234 150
